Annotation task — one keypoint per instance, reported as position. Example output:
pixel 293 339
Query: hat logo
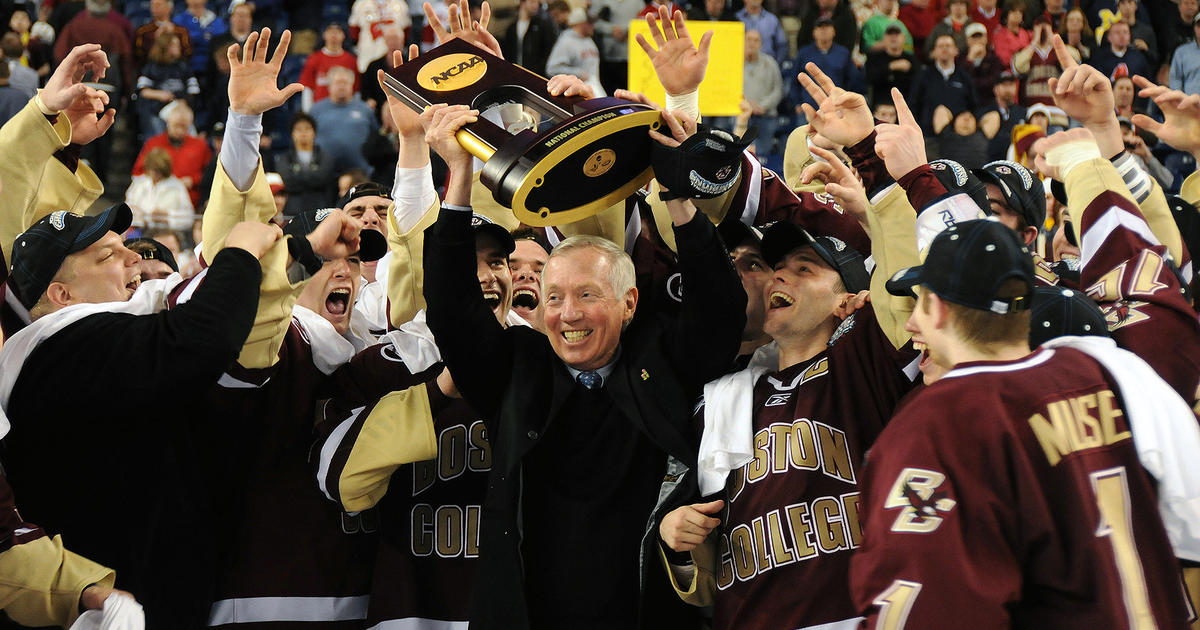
pixel 1006 167
pixel 1003 170
pixel 321 214
pixel 56 219
pixel 724 172
pixel 837 243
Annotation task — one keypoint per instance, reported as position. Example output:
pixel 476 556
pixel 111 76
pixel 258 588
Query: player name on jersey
pixel 1076 424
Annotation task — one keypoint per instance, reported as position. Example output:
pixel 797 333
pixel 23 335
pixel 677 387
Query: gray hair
pixel 621 275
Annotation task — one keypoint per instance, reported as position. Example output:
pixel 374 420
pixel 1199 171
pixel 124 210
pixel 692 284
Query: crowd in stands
pixel 911 342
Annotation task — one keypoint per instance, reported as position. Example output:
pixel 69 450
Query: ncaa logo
pixel 56 219
pixel 452 72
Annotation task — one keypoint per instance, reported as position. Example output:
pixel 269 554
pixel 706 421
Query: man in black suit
pixel 528 40
pixel 581 419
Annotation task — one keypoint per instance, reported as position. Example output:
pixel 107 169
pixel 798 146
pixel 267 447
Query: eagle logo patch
pixel 56 219
pixel 921 499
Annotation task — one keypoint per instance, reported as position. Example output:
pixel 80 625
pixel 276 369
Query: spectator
pixel 157 198
pixel 874 28
pixel 838 12
pixel 165 78
pixel 370 21
pixel 1179 30
pixel 762 87
pixel 241 24
pixel 528 40
pixel 315 75
pixel 1185 65
pixel 987 13
pixel 1077 34
pixel 12 100
pixel 1038 63
pixel 942 82
pixel 1000 114
pixel 189 154
pixel 612 18
pixel 1011 37
pixel 559 12
pixel 372 93
pixel 93 26
pixel 756 18
pixel 1142 33
pixel 712 11
pixel 37 54
pixel 343 121
pixel 831 57
pixel 202 26
pixel 919 17
pixel 959 138
pixel 1120 57
pixel 885 110
pixel 160 21
pixel 216 97
pixel 954 25
pixel 980 61
pixel 1136 145
pixel 575 53
pixel 890 66
pixel 20 77
pixel 1123 96
pixel 1055 13
pixel 158 262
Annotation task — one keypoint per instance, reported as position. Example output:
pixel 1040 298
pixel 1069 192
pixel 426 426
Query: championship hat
pixel 783 237
pixel 735 233
pixel 365 189
pixel 1058 312
pixel 150 249
pixel 39 252
pixel 372 243
pixel 483 225
pixel 1023 192
pixel 967 263
pixel 957 179
pixel 704 166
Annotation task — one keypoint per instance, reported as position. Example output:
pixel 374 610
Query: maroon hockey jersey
pixel 1125 272
pixel 1009 495
pixel 793 512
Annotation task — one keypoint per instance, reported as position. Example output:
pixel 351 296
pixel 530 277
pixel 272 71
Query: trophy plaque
pixel 556 159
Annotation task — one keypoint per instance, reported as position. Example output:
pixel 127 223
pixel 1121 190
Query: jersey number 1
pixel 1112 499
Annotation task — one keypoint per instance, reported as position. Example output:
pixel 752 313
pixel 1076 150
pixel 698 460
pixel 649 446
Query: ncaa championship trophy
pixel 556 159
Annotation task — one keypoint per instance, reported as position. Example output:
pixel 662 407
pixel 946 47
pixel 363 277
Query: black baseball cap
pixel 372 243
pixel 154 251
pixel 956 179
pixel 966 264
pixel 783 237
pixel 39 252
pixel 734 233
pixel 483 225
pixel 1023 192
pixel 1058 312
pixel 704 166
pixel 365 189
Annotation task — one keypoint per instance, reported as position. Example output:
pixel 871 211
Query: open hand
pixel 1181 112
pixel 461 26
pixel 407 121
pixel 679 65
pixel 252 79
pixel 842 117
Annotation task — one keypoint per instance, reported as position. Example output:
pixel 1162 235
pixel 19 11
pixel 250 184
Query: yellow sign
pixel 599 162
pixel 721 91
pixel 452 72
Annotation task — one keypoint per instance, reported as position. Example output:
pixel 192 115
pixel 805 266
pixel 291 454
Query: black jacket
pixel 514 379
pixel 103 447
pixel 309 186
pixel 535 47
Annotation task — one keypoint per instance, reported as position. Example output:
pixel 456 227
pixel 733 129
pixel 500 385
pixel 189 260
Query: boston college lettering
pixel 794 533
pixel 802 445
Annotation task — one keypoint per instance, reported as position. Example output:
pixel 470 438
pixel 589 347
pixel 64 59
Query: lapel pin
pixel 645 375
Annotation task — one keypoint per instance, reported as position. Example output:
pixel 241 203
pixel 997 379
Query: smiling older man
pixel 580 420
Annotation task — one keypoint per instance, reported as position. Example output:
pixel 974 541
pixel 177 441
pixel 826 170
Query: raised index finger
pixel 903 113
pixel 1064 56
